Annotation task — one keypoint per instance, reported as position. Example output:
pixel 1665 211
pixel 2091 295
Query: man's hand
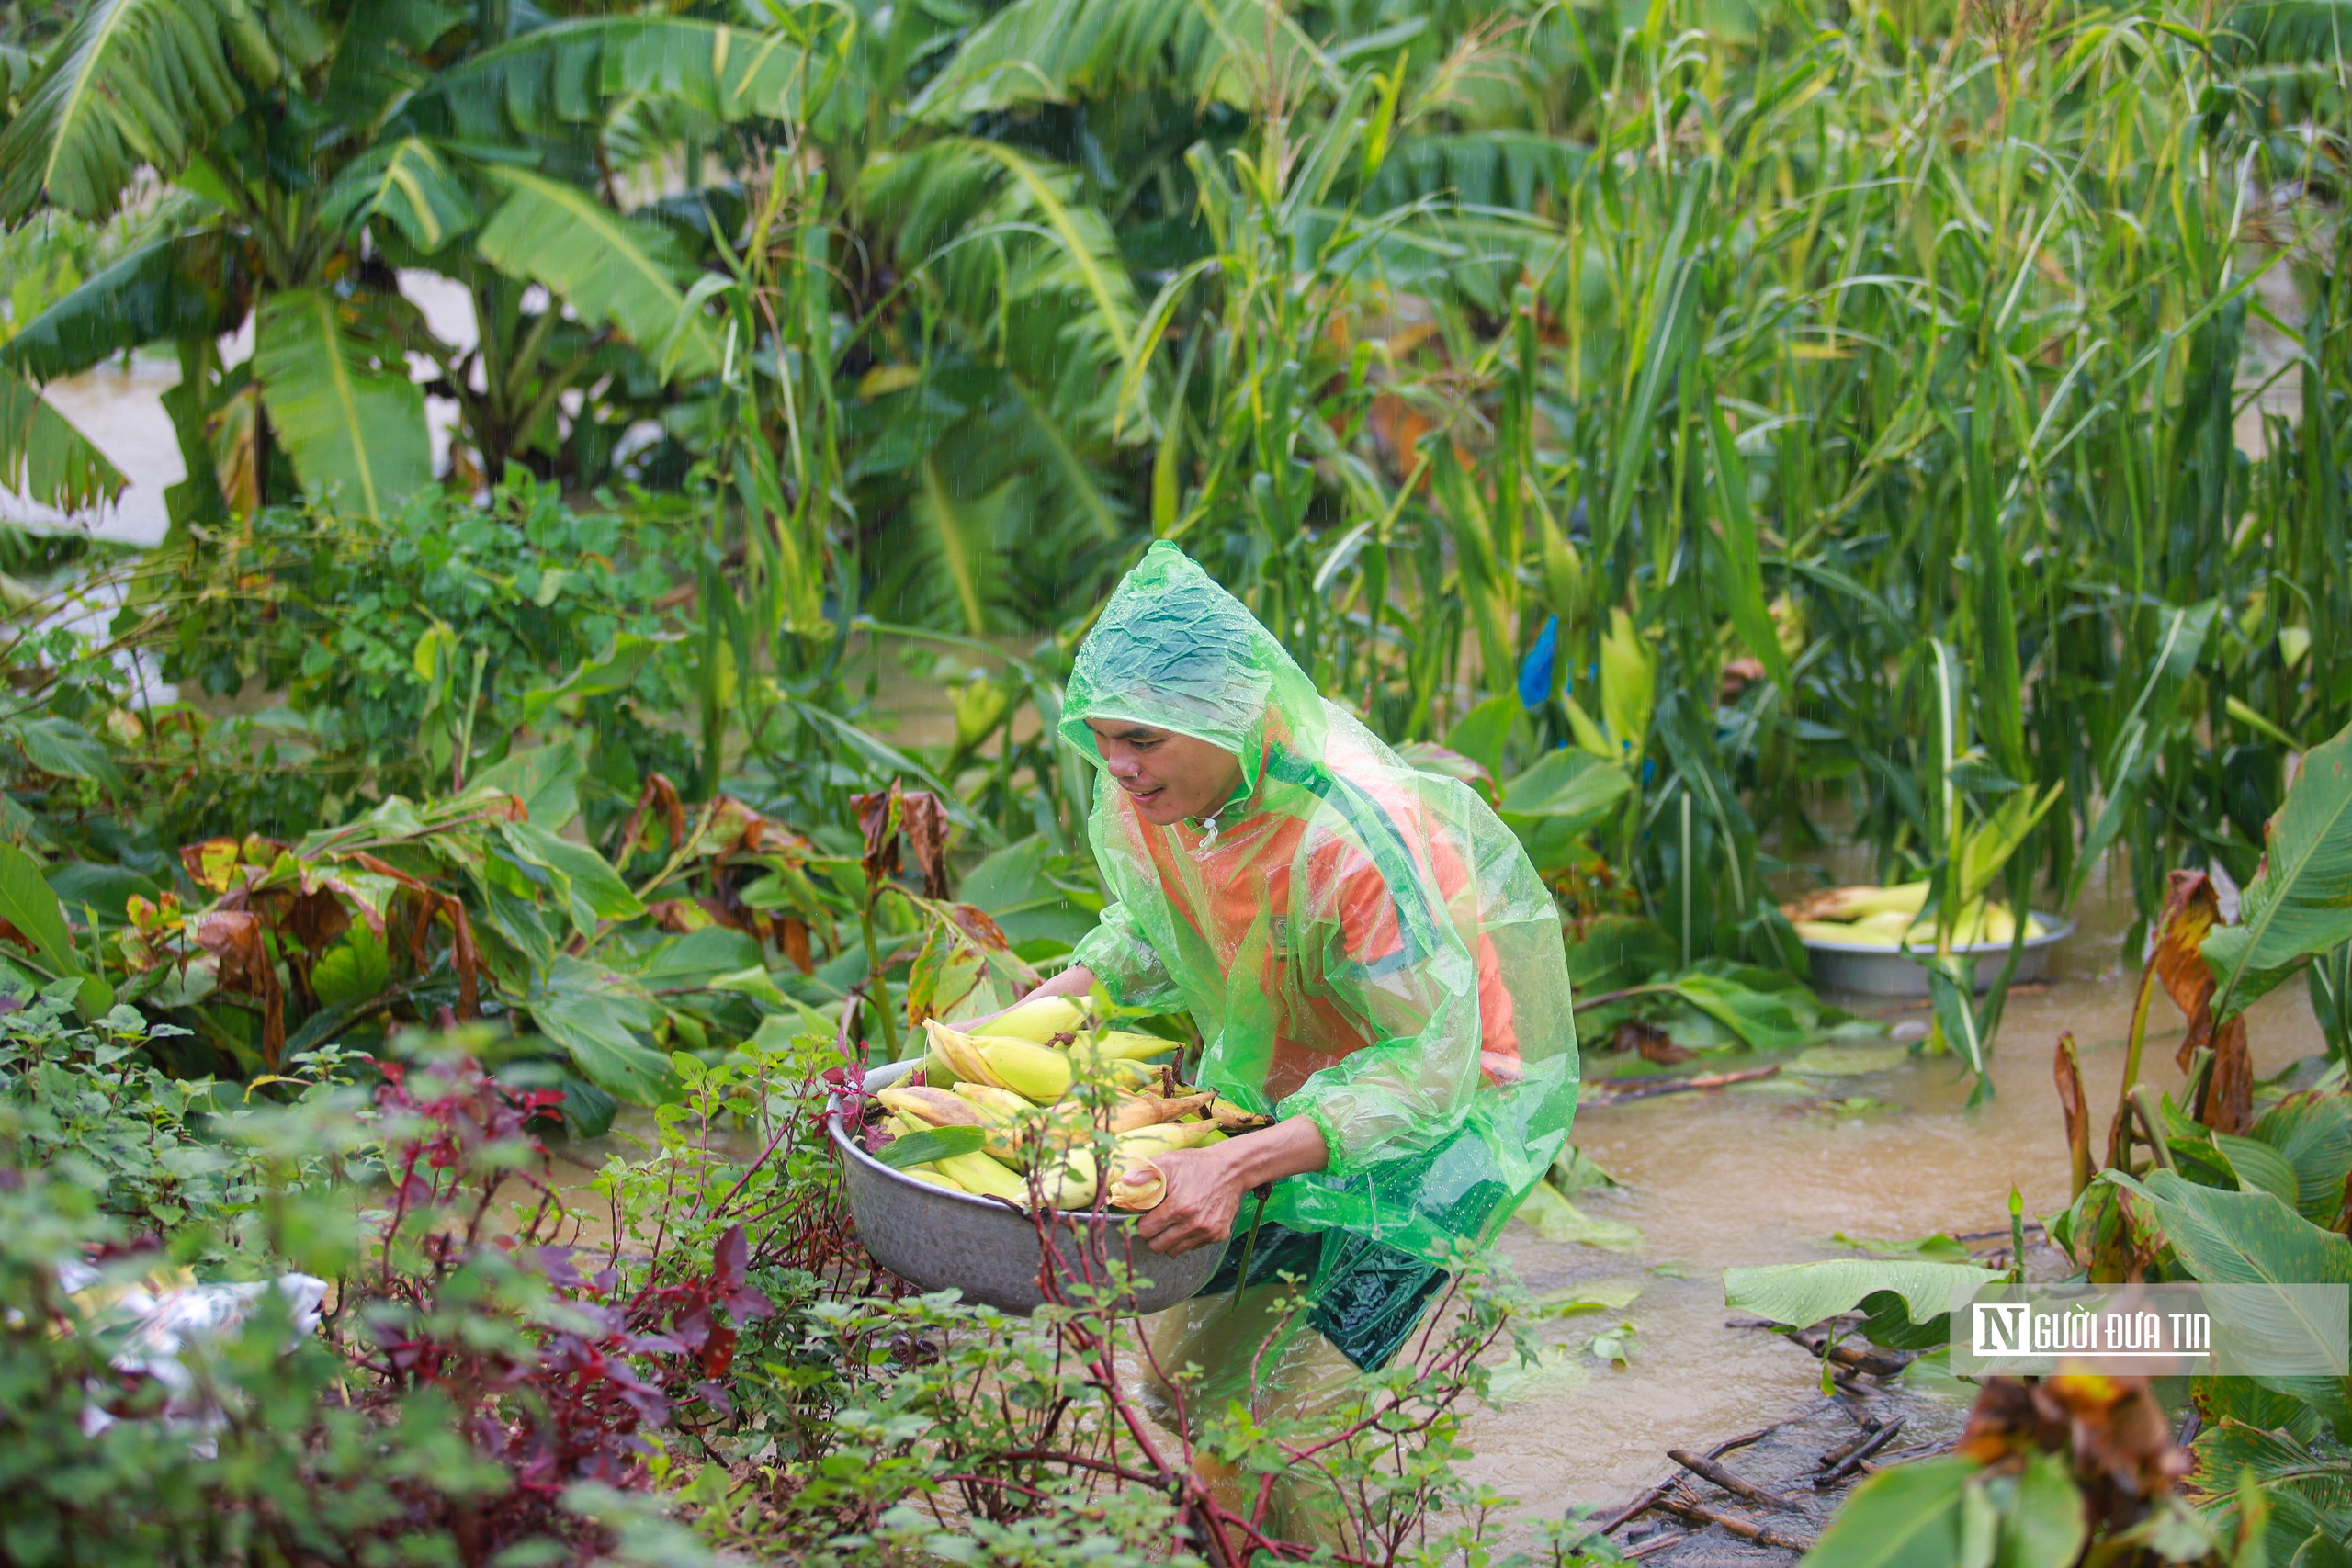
pixel 1205 1186
pixel 1205 1189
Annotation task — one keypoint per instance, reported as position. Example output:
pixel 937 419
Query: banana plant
pixel 313 146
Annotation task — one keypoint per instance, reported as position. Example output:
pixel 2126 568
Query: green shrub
pixel 389 649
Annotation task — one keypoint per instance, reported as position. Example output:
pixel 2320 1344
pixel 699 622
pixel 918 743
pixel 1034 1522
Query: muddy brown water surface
pixel 1769 1173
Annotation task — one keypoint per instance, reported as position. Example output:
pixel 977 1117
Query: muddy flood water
pixel 1765 1173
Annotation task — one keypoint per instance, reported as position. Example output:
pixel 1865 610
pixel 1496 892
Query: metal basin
pixel 937 1240
pixel 1891 972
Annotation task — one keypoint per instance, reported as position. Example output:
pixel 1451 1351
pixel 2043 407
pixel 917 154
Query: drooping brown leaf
pixel 680 915
pixel 234 939
pixel 2068 1070
pixel 658 791
pixel 792 935
pixel 1653 1044
pixel 2226 1104
pixel 877 820
pixel 734 829
pixel 924 820
pixel 315 919
pixel 696 913
pixel 465 958
pixel 976 924
pixel 2191 909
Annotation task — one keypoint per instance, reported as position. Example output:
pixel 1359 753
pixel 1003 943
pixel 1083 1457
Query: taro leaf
pixel 598 1016
pixel 933 1143
pixel 754 982
pixel 1937 1248
pixel 2259 1168
pixel 590 889
pixel 1616 952
pixel 1556 1219
pixel 2300 903
pixel 353 970
pixel 1887 1320
pixel 1483 730
pixel 28 905
pixel 1850 1061
pixel 588 1109
pixel 2239 1238
pixel 106 888
pixel 1013 885
pixel 546 779
pixel 2278 1459
pixel 60 746
pixel 1575 1171
pixel 698 958
pixel 2314 1133
pixel 1548 1371
pixel 1568 785
pixel 1615 1295
pixel 1802 1294
pixel 1760 1018
pixel 1908 1515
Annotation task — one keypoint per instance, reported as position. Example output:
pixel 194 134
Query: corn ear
pixel 931 1106
pixel 1122 1044
pixel 1036 1073
pixel 956 1049
pixel 1146 1140
pixel 995 1106
pixel 1038 1021
pixel 1132 1111
pixel 1850 936
pixel 1139 1187
pixel 1859 902
pixel 1233 1118
pixel 977 1173
pixel 1069 1182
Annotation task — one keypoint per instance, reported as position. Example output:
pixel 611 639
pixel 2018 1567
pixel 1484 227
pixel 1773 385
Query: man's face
pixel 1169 776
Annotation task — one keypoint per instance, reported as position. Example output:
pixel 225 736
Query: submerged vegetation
pixel 1713 430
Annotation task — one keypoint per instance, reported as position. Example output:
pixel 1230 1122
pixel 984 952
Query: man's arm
pixel 1205 1186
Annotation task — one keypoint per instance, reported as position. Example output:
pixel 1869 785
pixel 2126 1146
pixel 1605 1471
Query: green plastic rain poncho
pixel 1357 940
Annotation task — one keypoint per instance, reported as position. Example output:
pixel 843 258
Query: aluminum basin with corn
pixel 937 1240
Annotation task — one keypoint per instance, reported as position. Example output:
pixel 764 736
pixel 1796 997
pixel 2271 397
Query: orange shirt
pixel 1351 911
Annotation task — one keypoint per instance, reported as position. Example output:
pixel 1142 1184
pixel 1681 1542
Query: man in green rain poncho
pixel 1370 958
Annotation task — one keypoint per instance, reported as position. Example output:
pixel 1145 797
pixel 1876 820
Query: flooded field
pixel 1760 1173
